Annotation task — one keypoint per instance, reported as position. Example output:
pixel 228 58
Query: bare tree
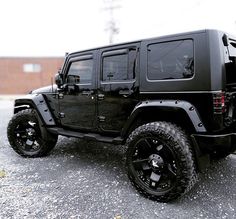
pixel 110 7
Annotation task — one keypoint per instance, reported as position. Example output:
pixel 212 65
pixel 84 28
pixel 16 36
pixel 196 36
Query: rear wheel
pixel 27 138
pixel 160 162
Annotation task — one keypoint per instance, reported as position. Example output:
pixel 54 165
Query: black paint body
pixel 107 107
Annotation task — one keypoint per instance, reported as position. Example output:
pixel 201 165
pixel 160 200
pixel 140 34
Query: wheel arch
pixel 181 113
pixel 23 105
pixel 37 102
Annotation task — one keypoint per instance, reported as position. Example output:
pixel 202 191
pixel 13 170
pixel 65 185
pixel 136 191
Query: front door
pixel 118 86
pixel 77 103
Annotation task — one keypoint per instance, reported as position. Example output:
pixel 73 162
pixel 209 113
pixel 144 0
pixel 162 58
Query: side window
pixel 170 60
pixel 118 66
pixel 81 70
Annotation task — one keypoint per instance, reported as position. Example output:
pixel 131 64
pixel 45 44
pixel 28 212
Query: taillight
pixel 219 103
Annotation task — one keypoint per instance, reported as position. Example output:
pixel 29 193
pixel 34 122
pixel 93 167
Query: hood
pixel 42 90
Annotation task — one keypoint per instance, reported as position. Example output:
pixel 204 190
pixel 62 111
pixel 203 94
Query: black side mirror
pixel 225 40
pixel 58 80
pixel 73 79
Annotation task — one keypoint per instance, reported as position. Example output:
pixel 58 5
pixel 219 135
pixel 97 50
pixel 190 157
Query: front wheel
pixel 160 162
pixel 27 138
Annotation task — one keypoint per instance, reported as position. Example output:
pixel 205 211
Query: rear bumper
pixel 210 143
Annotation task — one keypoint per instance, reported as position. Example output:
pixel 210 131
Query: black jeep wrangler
pixel 170 99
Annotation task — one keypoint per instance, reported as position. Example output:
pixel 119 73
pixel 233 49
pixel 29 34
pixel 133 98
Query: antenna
pixel 111 24
pixel 52 83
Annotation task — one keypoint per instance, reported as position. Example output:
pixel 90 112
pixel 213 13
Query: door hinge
pixel 101 118
pixel 101 96
pixel 60 96
pixel 61 115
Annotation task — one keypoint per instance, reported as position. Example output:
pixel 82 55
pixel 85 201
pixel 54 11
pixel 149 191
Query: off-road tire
pixel 46 140
pixel 176 140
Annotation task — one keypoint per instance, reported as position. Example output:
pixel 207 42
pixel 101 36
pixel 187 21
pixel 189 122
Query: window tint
pixel 115 67
pixel 83 69
pixel 170 60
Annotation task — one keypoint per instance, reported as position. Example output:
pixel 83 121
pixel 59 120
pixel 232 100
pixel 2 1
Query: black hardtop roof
pixel 138 41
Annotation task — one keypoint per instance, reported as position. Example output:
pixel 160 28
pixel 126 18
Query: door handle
pixel 87 93
pixel 125 92
pixel 101 96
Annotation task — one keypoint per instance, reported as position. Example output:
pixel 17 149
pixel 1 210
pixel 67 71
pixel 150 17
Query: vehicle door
pixel 117 86
pixel 77 100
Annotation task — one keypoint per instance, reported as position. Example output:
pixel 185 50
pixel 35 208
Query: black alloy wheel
pixel 154 164
pixel 27 134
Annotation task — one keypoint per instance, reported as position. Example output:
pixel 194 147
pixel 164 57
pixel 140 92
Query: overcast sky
pixel 53 27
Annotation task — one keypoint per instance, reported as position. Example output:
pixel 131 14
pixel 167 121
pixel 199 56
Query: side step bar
pixel 86 136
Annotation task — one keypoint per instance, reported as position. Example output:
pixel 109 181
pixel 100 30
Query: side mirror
pixel 73 79
pixel 72 83
pixel 58 80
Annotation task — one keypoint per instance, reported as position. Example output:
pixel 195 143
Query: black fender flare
pixel 187 107
pixel 37 102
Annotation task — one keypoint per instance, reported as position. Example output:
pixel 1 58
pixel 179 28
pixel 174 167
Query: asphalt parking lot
pixel 88 180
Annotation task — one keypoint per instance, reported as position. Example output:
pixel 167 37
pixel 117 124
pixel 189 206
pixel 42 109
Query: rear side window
pixel 170 60
pixel 115 67
pixel 119 65
pixel 230 61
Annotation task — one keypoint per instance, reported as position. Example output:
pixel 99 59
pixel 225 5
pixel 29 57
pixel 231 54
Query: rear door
pixel 117 86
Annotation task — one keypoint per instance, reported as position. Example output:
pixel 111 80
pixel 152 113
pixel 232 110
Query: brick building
pixel 19 75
